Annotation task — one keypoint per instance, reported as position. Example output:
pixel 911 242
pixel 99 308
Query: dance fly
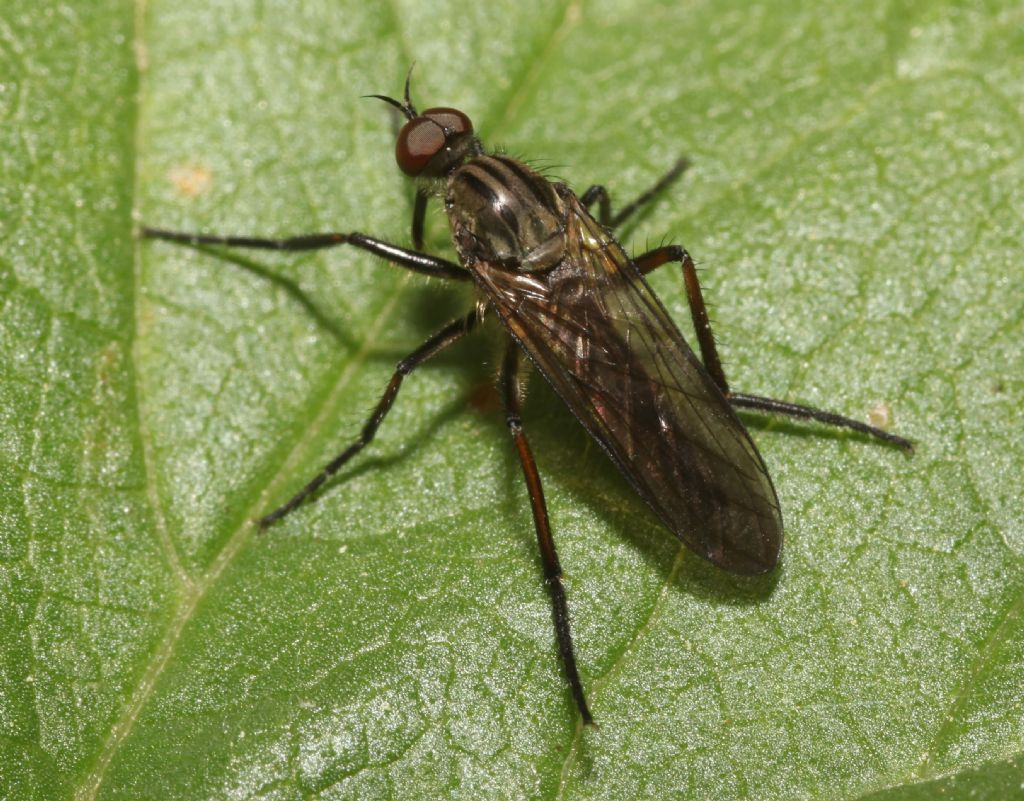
pixel 578 307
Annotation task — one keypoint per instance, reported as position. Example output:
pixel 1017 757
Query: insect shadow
pixel 579 309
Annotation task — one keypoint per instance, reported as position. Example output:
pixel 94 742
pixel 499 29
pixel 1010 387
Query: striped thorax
pixel 503 212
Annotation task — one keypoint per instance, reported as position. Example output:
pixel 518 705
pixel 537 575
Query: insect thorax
pixel 501 211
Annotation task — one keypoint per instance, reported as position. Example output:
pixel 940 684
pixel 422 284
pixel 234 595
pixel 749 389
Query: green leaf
pixel 855 201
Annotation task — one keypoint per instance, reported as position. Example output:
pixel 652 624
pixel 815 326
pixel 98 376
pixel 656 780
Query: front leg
pixel 403 257
pixel 419 212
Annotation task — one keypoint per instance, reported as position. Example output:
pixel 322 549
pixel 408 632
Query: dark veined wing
pixel 597 332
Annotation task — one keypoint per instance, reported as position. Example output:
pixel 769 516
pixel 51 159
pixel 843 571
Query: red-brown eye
pixel 427 135
pixel 418 142
pixel 451 119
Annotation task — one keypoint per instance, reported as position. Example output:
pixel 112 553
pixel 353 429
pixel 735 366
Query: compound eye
pixel 418 142
pixel 451 119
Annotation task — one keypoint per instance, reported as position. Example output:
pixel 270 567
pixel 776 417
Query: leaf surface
pixel 855 203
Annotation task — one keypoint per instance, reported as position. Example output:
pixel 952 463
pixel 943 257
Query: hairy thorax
pixel 503 212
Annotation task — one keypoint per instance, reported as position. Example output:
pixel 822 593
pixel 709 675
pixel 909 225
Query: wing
pixel 600 336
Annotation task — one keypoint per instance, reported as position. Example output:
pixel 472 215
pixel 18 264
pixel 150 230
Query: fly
pixel 578 307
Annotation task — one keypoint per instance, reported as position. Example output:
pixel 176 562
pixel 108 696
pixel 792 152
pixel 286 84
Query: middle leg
pixel 448 335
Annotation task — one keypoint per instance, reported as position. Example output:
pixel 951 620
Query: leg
pixel 600 194
pixel 549 557
pixel 419 211
pixel 410 259
pixel 652 260
pixel 709 355
pixel 773 406
pixel 451 333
